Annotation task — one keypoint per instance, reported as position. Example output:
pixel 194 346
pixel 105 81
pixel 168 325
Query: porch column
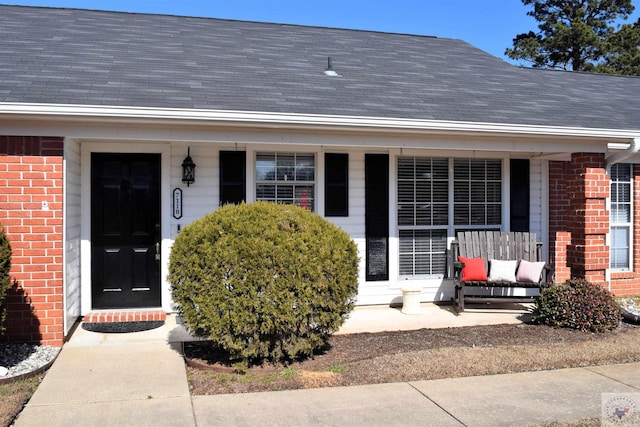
pixel 588 254
pixel 559 215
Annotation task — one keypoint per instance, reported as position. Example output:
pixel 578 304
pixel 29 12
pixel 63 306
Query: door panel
pixel 125 230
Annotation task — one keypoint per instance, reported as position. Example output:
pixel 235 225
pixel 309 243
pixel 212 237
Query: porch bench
pixel 519 249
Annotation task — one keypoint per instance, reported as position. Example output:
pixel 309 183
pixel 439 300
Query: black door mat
pixel 122 327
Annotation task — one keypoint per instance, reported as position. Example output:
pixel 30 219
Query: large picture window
pixel 287 178
pixel 436 198
pixel 621 216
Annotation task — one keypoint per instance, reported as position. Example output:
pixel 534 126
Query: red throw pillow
pixel 474 269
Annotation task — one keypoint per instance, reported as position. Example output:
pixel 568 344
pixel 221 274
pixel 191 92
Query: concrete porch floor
pixel 378 318
pixel 374 318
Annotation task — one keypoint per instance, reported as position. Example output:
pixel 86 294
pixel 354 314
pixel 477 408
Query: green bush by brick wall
pixel 577 304
pixel 264 281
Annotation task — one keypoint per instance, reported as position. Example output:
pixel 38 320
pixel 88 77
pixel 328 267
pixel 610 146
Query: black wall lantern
pixel 188 169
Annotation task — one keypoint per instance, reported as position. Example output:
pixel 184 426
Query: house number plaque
pixel 177 203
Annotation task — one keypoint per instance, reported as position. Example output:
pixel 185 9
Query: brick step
pixel 110 316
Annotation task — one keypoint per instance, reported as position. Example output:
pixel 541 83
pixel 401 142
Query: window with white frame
pixel 477 189
pixel 436 198
pixel 287 178
pixel 621 216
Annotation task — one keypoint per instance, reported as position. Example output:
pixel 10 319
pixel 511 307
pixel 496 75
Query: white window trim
pixel 628 225
pixel 252 180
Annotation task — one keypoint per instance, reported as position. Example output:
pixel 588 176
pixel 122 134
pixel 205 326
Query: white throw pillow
pixel 502 271
pixel 530 271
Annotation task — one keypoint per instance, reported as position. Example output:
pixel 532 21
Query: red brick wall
pixel 31 172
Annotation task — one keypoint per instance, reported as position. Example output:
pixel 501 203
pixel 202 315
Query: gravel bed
pixel 630 309
pixel 632 305
pixel 24 358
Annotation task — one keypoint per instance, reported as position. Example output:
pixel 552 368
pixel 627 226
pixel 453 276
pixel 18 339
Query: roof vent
pixel 330 71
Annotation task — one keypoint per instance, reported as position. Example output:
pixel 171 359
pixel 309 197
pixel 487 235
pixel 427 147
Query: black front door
pixel 125 230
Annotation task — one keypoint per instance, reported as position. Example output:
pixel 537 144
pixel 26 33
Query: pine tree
pixel 579 35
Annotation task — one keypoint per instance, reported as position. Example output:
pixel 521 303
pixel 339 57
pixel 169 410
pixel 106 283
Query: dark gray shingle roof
pixel 69 56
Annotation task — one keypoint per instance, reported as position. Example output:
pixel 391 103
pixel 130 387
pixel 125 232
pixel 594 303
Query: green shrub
pixel 577 304
pixel 5 281
pixel 264 281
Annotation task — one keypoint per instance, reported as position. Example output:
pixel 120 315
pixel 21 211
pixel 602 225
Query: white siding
pixel 72 209
pixel 354 223
pixel 202 197
pixel 378 292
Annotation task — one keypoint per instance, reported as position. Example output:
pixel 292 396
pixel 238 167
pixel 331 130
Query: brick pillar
pixel 31 211
pixel 588 254
pixel 559 216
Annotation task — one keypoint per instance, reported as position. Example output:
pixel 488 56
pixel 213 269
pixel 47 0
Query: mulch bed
pixel 351 348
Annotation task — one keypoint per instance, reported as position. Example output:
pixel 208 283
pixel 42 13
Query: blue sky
pixel 490 25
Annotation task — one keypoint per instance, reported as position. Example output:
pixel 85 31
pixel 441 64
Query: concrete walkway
pixel 139 379
pixel 136 379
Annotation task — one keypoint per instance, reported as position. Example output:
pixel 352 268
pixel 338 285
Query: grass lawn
pixel 14 395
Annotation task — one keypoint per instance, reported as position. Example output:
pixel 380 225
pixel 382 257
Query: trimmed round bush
pixel 264 281
pixel 5 281
pixel 577 304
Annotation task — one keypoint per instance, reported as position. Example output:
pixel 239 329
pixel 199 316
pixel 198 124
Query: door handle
pixel 157 251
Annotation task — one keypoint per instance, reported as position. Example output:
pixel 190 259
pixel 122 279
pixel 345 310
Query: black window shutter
pixel 233 177
pixel 520 192
pixel 376 216
pixel 336 184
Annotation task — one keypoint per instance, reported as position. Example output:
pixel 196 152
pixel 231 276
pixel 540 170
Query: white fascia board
pixel 193 116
